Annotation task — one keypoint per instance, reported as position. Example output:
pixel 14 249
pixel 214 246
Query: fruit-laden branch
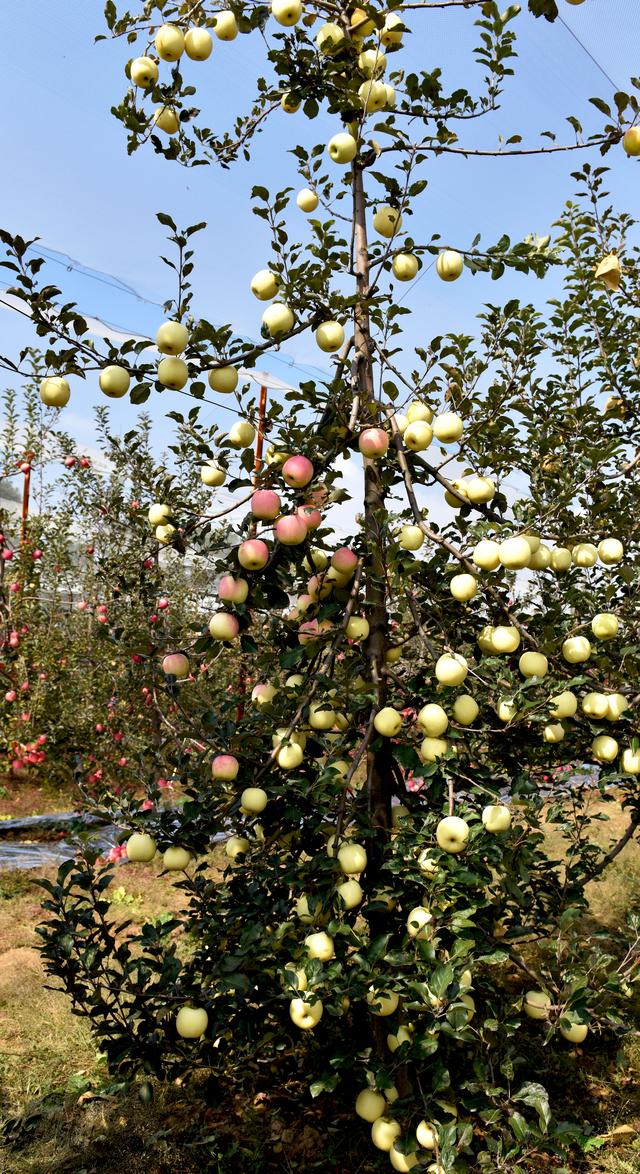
pixel 436 538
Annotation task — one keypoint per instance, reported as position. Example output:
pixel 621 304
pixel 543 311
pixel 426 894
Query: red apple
pixel 265 504
pixel 253 554
pixel 344 561
pixel 310 516
pixel 373 442
pixel 175 664
pixel 297 472
pixel 232 590
pixel 290 530
pixel 223 626
pixel 225 767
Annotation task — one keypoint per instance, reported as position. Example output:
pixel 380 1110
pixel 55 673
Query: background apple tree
pixel 392 915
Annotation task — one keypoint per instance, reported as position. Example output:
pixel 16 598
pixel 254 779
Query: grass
pixel 64 1115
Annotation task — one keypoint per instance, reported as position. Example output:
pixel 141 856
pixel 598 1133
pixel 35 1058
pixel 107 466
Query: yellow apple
pixel 265 285
pixel 480 490
pixel 198 44
pixel 173 373
pixel 114 381
pixel 401 1036
pixel 286 12
pixel 169 42
pixel 388 722
pixel 253 800
pixel 393 29
pixel 306 1015
pixel 165 534
pixel 506 710
pixel 242 434
pixel 595 705
pixel 172 338
pixel 465 709
pixel 451 668
pixel 387 221
pixel 361 24
pixel 370 1105
pixel 144 72
pixel 278 319
pixel 605 625
pixel 410 538
pixel 405 266
pixel 584 554
pixel 159 513
pixel 533 664
pixel 449 265
pixel 223 379
pixel 431 749
pixel 563 704
pixel 631 761
pixel 452 834
pixel 384 1132
pixel 537 1005
pixel 496 818
pixel 610 551
pixel 373 96
pixel 191 1022
pixel 560 558
pixel 433 720
pixel 427 1135
pixel 330 336
pixel 631 140
pixel 604 748
pixel 515 553
pixel 330 39
pixel 211 474
pixel 553 732
pixel 486 554
pixel 418 435
pixel 463 587
pixel 400 1161
pixel 141 848
pixel 577 1032
pixel 382 1003
pixel 372 63
pixel 448 427
pixel 342 148
pixel 351 893
pixel 55 391
pixel 505 638
pixel 576 649
pixel 166 119
pixel 307 200
pixel 289 104
pixel 352 858
pixel 419 411
pixel 176 859
pixel 616 706
pixel 225 27
pixel 320 945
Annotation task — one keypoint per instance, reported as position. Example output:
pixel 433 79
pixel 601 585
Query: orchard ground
pixel 61 1112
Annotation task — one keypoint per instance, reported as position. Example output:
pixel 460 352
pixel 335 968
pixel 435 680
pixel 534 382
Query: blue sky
pixel 69 180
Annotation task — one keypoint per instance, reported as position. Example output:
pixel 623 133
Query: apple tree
pixel 393 927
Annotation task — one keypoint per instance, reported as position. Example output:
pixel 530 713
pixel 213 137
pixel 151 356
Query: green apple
pixel 265 285
pixel 463 587
pixel 286 12
pixel 159 513
pixel 515 553
pixel 144 72
pixel 225 27
pixel 405 266
pixel 537 1005
pixel 191 1022
pixel 198 44
pixel 496 818
pixel 449 265
pixel 253 800
pixel 55 391
pixel 452 834
pixel 306 1015
pixel 352 858
pixel 384 1132
pixel 342 148
pixel 166 119
pixel 433 719
pixel 388 722
pixel 576 1033
pixel 465 709
pixel 610 551
pixel 176 859
pixel 533 664
pixel 370 1105
pixel 141 848
pixel 211 474
pixel 451 668
pixel 223 379
pixel 114 381
pixel 576 649
pixel 307 200
pixel 387 221
pixel 278 319
pixel 320 945
pixel 173 373
pixel 330 336
pixel 486 554
pixel 169 42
